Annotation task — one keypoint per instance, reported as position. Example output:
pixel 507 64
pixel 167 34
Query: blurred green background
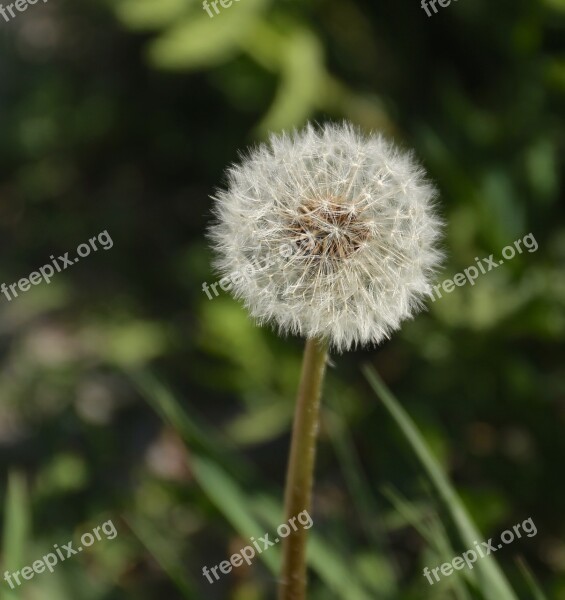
pixel 126 394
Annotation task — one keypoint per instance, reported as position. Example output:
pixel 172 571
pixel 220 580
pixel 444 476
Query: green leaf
pixel 302 80
pixel 148 14
pixel 201 42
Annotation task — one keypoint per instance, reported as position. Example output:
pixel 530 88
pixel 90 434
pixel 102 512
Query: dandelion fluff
pixel 328 233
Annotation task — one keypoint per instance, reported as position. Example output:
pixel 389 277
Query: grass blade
pixel 492 582
pixel 212 470
pixel 16 527
pixel 161 552
pixel 533 585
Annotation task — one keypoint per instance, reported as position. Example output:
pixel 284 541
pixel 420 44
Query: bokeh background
pixel 126 394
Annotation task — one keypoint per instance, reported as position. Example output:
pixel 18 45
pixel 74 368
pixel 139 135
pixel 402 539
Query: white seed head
pixel 328 233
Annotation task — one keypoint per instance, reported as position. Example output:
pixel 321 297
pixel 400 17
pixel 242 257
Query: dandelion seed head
pixel 328 233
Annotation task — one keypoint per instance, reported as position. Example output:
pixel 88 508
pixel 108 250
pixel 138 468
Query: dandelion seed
pixel 359 216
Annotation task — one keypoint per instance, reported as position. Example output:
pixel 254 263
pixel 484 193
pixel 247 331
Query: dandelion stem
pixel 300 473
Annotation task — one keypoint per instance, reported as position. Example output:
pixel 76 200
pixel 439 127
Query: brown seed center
pixel 330 228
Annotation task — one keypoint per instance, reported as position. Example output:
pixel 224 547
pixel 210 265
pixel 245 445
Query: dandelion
pixel 345 228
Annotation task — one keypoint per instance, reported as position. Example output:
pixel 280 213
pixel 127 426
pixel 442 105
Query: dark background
pixel 122 116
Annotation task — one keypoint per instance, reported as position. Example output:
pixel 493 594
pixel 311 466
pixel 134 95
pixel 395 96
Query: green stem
pixel 300 474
